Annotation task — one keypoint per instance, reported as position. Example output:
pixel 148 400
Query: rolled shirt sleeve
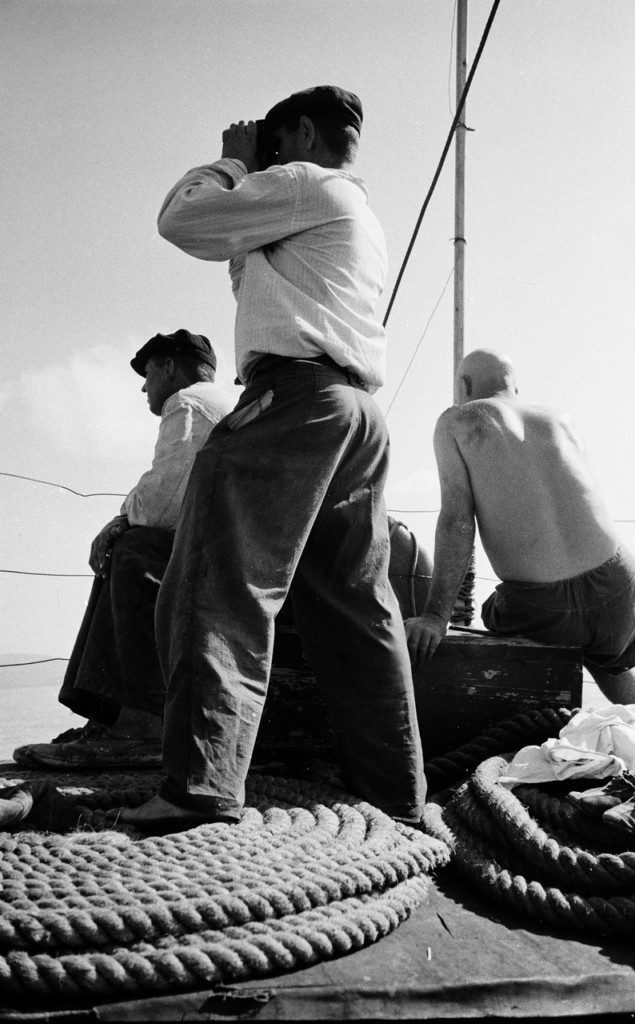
pixel 211 212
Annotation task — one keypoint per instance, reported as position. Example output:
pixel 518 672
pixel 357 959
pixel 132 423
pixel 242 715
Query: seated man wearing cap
pixel 286 495
pixel 114 678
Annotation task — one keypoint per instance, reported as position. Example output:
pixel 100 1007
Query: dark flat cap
pixel 320 101
pixel 184 342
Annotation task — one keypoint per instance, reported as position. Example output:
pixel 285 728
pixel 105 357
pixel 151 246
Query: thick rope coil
pixel 471 815
pixel 547 904
pixel 497 844
pixel 511 734
pixel 602 873
pixel 308 873
pixel 243 952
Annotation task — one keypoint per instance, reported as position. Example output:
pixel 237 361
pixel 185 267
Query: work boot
pixel 74 733
pixel 96 750
pixel 22 756
pixel 602 798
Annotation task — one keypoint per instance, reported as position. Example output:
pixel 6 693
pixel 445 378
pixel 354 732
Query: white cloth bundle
pixel 593 745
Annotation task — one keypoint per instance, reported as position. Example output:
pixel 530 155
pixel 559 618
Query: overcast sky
pixel 108 102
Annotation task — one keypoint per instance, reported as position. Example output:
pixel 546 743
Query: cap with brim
pixel 320 101
pixel 180 342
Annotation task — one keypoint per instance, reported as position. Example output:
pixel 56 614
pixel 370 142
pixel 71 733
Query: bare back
pixel 539 513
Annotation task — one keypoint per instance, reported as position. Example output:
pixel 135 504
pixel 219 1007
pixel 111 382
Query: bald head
pixel 482 374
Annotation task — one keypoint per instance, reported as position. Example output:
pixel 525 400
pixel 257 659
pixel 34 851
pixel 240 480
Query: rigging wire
pixel 25 572
pixel 40 661
pixel 49 483
pixel 437 173
pixel 418 346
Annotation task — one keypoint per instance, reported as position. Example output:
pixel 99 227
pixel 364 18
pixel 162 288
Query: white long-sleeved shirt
pixel 186 420
pixel 308 258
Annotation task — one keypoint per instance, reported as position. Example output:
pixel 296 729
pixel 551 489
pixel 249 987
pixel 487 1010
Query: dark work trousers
pixel 114 661
pixel 294 494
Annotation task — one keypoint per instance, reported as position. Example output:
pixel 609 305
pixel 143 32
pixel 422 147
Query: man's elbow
pixel 172 229
pixel 163 225
pixel 191 242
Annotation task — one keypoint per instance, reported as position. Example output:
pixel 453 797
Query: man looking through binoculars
pixel 292 480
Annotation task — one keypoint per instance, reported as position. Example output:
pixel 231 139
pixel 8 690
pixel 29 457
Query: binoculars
pixel 266 152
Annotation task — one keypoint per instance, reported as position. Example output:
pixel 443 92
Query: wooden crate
pixel 474 681
pixel 295 724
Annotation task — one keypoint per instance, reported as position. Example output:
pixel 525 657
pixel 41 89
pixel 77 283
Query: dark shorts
pixel 594 611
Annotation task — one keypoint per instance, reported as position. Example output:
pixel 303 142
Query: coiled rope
pixel 309 873
pixel 511 734
pixel 535 866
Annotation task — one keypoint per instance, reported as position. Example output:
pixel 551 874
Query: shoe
pixel 622 816
pixel 96 750
pixel 22 756
pixel 602 798
pixel 70 735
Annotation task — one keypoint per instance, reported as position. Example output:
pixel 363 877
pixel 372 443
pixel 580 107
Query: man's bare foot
pixel 159 817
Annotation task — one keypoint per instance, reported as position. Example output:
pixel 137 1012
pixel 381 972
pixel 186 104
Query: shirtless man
pixel 520 472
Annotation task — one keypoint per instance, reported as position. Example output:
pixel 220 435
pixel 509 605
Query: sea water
pixel 31 713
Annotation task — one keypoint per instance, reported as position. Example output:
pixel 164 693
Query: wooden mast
pixel 465 609
pixel 459 188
